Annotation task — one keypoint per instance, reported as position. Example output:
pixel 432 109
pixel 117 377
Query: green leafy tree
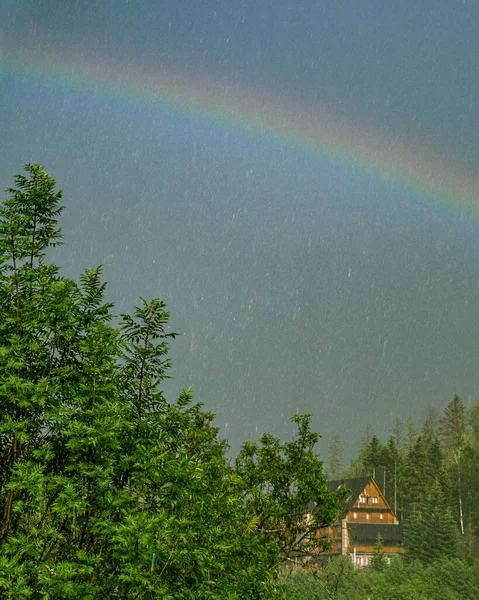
pixel 337 579
pixel 302 585
pixel 282 483
pixel 106 489
pixel 59 418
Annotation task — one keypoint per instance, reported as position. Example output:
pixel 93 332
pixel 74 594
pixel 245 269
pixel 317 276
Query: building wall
pixel 371 507
pixel 362 515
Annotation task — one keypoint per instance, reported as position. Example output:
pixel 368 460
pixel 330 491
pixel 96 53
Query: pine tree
pixel 431 425
pixel 453 437
pixel 334 464
pixel 473 421
pixel 379 561
pixel 374 456
pixel 398 432
pixel 423 467
pixel 358 466
pixel 411 432
pixel 453 425
pixel 393 461
pixel 469 468
pixel 431 533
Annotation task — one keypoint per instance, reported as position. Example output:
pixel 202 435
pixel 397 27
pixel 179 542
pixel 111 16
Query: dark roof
pixel 368 532
pixel 355 487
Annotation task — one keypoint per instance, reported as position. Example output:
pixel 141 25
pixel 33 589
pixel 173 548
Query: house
pixel 365 514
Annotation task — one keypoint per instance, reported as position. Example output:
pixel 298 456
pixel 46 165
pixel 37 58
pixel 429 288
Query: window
pixel 381 516
pixel 375 500
pixel 368 516
pixel 362 499
pixel 355 515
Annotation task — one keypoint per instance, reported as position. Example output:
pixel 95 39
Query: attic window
pixel 375 500
pixel 362 499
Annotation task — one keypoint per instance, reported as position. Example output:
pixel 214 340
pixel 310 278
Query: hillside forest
pixel 429 473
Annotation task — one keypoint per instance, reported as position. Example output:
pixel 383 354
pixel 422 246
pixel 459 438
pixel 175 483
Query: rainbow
pixel 413 166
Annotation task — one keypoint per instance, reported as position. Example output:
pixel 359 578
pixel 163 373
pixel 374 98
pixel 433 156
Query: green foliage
pixel 453 424
pixel 284 482
pixel 378 560
pixel 468 482
pixel 337 579
pixel 374 456
pixel 423 467
pixel 446 579
pixel 431 532
pixel 302 585
pixel 106 489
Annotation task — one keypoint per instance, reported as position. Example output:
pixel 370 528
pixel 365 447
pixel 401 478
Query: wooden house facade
pixel 365 514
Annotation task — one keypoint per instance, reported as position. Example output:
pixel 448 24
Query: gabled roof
pixel 355 486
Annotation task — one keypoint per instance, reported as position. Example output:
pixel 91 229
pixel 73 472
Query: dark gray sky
pixel 297 282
